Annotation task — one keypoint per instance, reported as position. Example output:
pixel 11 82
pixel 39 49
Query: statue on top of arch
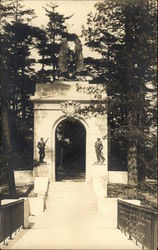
pixel 71 60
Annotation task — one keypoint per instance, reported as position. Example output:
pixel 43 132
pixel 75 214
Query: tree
pixel 124 34
pixel 17 81
pixel 49 44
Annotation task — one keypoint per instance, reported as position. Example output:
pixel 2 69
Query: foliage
pixel 124 34
pixel 49 44
pixel 17 83
pixel 146 193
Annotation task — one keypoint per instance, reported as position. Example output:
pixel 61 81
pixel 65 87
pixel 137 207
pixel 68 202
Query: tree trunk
pixel 132 164
pixel 132 152
pixel 8 149
pixel 132 161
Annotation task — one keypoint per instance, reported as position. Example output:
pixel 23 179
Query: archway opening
pixel 70 140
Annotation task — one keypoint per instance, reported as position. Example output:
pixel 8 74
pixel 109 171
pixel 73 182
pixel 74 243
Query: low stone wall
pixel 23 177
pixel 118 177
pixel 134 202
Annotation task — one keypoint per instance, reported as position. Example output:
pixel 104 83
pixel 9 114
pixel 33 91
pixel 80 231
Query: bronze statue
pixel 98 149
pixel 71 61
pixel 41 146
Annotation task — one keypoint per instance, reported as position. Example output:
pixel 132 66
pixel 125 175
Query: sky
pixel 79 9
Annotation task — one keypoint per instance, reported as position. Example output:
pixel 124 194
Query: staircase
pixel 71 221
pixel 71 198
pixel 69 205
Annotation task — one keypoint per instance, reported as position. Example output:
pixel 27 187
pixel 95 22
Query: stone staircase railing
pixel 11 219
pixel 138 223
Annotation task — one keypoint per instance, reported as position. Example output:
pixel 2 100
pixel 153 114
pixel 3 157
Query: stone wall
pixel 118 177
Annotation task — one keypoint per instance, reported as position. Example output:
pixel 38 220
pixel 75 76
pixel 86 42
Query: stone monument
pixel 70 101
pixel 54 103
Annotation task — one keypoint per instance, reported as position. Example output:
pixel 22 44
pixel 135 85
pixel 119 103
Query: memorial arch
pixel 59 104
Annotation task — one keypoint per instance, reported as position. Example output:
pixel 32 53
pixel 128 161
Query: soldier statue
pixel 98 149
pixel 41 146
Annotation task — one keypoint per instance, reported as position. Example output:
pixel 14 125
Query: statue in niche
pixel 71 61
pixel 98 149
pixel 41 146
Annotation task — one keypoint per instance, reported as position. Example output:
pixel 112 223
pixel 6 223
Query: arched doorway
pixel 70 153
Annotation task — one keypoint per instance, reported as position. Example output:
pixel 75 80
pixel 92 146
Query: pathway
pixel 71 221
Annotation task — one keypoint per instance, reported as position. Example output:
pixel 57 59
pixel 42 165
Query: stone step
pixel 73 184
pixel 69 184
pixel 69 195
pixel 71 202
pixel 71 209
pixel 73 194
pixel 71 190
pixel 71 198
pixel 89 208
pixel 72 213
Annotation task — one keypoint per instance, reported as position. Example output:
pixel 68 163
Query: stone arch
pixel 54 127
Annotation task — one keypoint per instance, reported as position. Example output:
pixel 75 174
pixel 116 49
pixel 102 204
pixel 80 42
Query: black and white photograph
pixel 78 161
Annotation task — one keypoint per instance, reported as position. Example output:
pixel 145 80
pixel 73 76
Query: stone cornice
pixel 58 101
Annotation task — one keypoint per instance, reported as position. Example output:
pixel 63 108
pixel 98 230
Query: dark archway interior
pixel 70 150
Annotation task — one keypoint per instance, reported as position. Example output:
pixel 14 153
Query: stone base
pixel 41 185
pixel 96 171
pixel 99 178
pixel 100 187
pixel 37 205
pixel 41 170
pixel 118 177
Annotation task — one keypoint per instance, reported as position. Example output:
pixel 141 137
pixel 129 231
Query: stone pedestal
pixel 41 185
pixel 99 177
pixel 41 170
pixel 99 170
pixel 37 205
